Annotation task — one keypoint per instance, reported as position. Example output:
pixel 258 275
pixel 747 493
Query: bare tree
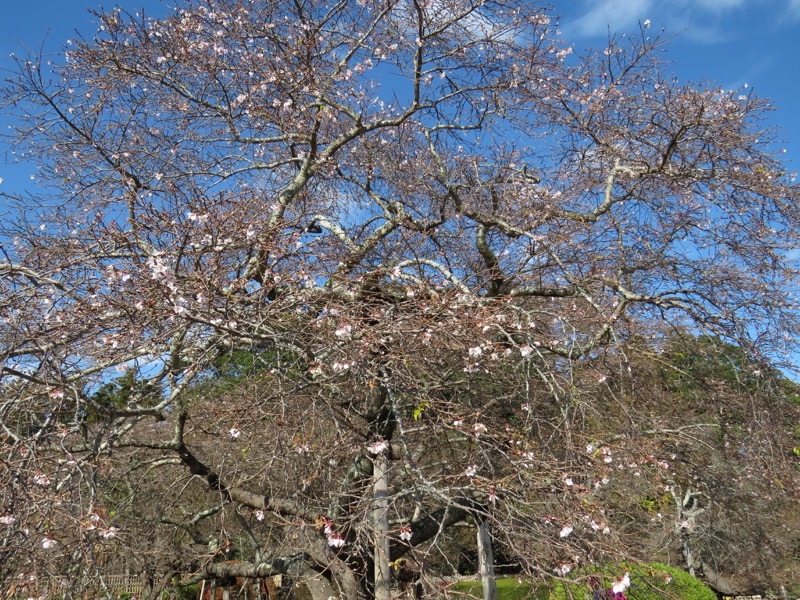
pixel 317 281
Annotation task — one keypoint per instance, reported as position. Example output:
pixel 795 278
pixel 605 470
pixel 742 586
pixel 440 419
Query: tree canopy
pixel 311 283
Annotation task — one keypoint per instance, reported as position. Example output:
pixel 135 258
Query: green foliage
pixel 650 581
pixel 229 370
pixel 654 504
pixel 419 410
pixel 696 361
pixel 187 592
pixel 653 581
pixel 238 364
pixel 117 393
pixel 508 588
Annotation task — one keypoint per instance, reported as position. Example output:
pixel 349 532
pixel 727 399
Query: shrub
pixel 508 588
pixel 650 581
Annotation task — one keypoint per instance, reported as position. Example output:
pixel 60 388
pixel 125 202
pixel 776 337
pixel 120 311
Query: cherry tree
pixel 310 283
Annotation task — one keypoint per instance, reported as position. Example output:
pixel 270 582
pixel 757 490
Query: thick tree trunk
pixel 380 524
pixel 486 561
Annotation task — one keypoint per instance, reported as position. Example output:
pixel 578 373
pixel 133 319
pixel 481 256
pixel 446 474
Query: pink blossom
pixel 235 433
pixel 328 526
pixel 565 531
pixel 7 519
pixel 471 470
pixel 405 533
pixel 259 515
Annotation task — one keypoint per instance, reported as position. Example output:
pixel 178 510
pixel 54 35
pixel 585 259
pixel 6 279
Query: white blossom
pixel 41 479
pixel 200 218
pixel 622 584
pixel 377 447
pixel 335 540
pixel 344 331
pixel 109 533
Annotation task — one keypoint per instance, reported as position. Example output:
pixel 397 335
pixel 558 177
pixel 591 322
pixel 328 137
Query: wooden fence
pixel 117 586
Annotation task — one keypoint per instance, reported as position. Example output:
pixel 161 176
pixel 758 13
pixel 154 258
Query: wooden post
pixel 380 524
pixel 486 561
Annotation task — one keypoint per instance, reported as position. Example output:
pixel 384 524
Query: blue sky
pixel 729 42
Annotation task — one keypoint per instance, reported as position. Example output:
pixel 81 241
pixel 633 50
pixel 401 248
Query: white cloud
pixel 794 9
pixel 720 5
pixel 700 18
pixel 618 15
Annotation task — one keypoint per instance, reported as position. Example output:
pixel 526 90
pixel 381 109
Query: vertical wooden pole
pixel 380 524
pixel 486 561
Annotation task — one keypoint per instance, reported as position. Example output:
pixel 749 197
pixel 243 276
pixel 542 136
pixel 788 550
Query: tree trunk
pixel 380 524
pixel 486 561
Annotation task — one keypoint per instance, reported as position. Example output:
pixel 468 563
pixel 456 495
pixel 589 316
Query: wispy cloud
pixel 704 21
pixel 719 5
pixel 618 15
pixel 794 10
